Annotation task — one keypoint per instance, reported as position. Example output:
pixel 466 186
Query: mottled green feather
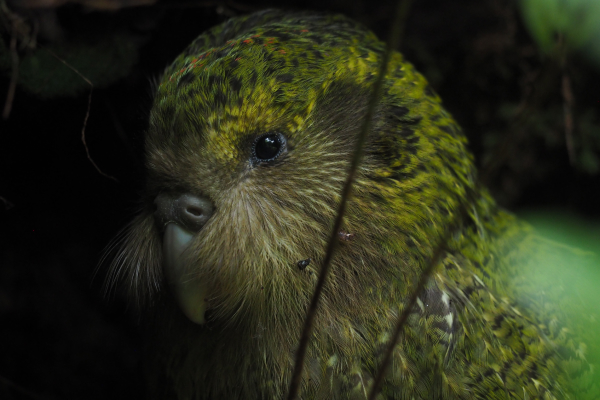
pixel 481 328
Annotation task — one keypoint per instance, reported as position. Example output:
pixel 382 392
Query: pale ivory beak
pixel 189 293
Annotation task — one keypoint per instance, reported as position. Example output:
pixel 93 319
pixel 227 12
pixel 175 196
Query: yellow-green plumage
pixel 481 328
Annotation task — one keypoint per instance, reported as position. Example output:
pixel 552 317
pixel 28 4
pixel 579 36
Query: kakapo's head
pixel 249 142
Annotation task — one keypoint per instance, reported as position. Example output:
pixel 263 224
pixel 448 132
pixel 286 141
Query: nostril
pixel 195 211
pixel 186 210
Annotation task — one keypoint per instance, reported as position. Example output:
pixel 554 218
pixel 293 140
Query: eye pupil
pixel 268 147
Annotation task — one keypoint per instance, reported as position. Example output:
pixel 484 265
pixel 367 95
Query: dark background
pixel 60 337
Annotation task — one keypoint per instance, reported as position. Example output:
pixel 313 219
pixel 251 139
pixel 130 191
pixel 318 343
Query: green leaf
pixel 577 20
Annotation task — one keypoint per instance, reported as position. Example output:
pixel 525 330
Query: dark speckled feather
pixel 481 329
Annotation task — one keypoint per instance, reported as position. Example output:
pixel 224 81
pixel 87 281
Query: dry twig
pixel 87 115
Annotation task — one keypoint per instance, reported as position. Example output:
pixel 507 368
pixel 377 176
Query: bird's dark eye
pixel 268 147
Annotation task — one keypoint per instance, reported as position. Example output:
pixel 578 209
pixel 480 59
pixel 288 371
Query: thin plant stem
pixel 392 44
pixel 12 87
pixel 87 115
pixel 434 261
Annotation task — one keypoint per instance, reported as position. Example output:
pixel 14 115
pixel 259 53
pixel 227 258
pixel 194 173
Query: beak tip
pixel 190 294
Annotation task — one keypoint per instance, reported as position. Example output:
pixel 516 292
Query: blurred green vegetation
pixel 572 278
pixel 577 20
pixel 48 71
pixel 566 227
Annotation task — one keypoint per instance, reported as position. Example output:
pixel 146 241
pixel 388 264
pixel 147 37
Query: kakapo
pixel 250 137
